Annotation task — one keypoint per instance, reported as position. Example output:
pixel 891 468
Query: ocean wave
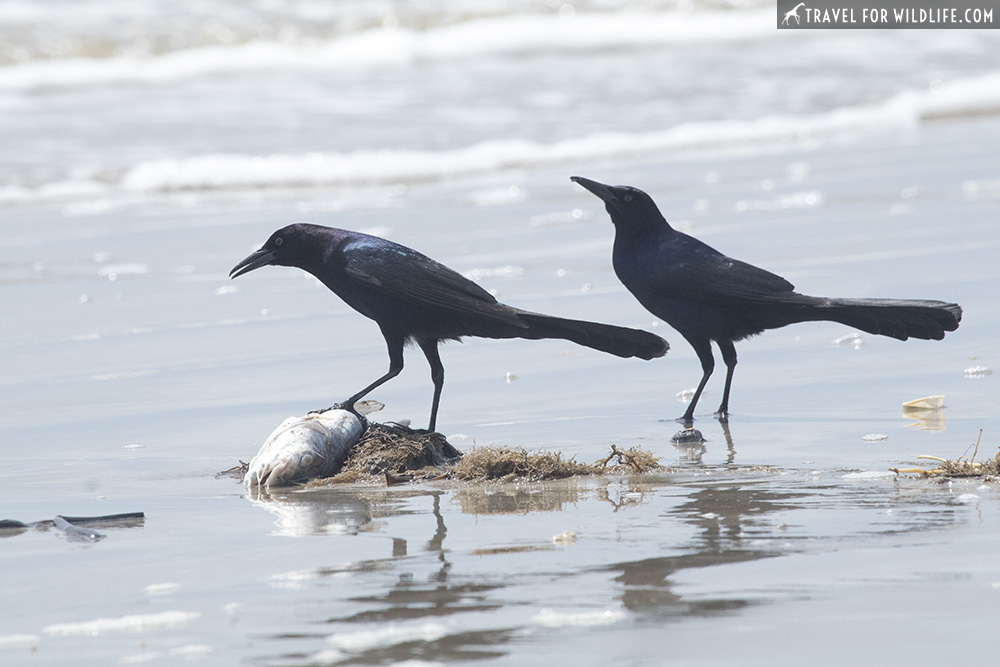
pixel 221 172
pixel 396 45
pixel 376 167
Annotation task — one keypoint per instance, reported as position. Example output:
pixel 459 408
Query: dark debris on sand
pixel 389 450
pixel 237 472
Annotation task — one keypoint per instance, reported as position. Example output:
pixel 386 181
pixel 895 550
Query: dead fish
pixel 304 448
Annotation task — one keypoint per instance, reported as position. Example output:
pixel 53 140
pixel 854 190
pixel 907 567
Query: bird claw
pixel 340 406
pixel 688 420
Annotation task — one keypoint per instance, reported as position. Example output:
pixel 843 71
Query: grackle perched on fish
pixel 707 296
pixel 414 298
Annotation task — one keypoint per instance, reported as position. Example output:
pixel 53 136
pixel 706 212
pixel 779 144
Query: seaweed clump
pixel 391 449
pixel 960 467
pixel 631 461
pixel 505 464
pixel 398 454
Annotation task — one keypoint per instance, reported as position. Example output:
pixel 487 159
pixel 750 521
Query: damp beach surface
pixel 133 370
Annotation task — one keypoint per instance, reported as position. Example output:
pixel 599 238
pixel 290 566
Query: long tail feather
pixel 620 341
pixel 898 318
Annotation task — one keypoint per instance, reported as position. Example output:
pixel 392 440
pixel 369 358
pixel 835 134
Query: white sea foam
pixel 134 623
pixel 366 640
pixel 870 474
pixel 165 588
pixel 550 618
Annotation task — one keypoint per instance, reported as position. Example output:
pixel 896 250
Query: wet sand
pixel 785 540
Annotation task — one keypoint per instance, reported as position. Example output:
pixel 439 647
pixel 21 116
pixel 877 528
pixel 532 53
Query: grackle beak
pixel 605 192
pixel 262 257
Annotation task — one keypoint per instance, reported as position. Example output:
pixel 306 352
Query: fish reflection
pixel 316 512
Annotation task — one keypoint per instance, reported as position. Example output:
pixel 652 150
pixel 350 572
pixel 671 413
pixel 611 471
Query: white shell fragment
pixel 304 448
pixel 925 403
pixel 564 538
pixel 853 339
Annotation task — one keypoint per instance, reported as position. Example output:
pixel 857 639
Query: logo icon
pixel 793 13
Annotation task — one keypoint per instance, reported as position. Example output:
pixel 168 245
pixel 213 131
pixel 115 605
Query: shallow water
pixel 133 370
pixel 784 533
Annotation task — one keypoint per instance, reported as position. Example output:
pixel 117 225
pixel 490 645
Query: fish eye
pixel 278 241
